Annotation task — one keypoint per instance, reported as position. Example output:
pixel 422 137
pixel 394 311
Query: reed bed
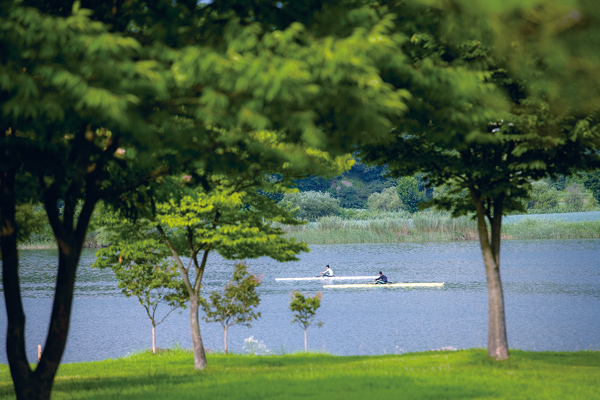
pixel 430 227
pixel 530 228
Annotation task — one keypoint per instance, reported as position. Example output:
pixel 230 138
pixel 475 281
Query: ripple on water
pixel 551 287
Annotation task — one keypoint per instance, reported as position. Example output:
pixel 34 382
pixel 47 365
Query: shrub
pixel 310 205
pixel 408 190
pixel 575 197
pixel 387 200
pixel 542 196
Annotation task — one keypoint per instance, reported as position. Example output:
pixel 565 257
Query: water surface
pixel 552 294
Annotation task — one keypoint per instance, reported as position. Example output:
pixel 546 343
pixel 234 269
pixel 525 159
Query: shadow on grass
pixel 562 359
pixel 299 375
pixel 266 386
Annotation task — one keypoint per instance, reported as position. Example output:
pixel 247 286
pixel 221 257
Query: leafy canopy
pixel 305 308
pixel 235 306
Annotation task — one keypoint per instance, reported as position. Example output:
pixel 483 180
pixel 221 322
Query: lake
pixel 551 287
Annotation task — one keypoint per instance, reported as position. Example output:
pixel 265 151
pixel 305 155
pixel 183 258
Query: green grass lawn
pixel 466 374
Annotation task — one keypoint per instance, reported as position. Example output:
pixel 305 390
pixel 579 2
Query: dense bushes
pixel 387 200
pixel 310 205
pixel 542 196
pixel 408 190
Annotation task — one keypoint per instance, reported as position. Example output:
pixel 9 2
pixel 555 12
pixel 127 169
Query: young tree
pixel 139 263
pixel 236 305
pixel 232 219
pixel 305 308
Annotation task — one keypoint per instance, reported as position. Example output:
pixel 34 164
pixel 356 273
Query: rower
pixel 382 280
pixel 328 271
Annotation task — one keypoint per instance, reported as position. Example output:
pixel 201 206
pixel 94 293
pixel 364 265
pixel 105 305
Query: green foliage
pixel 238 224
pixel 305 309
pixel 542 196
pixel 138 258
pixel 310 205
pixel 353 187
pixel 313 183
pixel 410 196
pixel 592 182
pixel 31 219
pixel 575 198
pixel 236 305
pixel 387 200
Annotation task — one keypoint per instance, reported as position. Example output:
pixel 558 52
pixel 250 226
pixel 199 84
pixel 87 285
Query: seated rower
pixel 381 280
pixel 328 271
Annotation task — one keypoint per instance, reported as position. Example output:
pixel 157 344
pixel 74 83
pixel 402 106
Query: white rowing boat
pixel 314 278
pixel 368 285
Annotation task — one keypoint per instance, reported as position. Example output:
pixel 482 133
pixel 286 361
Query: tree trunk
pixel 194 293
pixel 305 340
pixel 153 339
pixel 37 384
pixel 497 340
pixel 197 346
pixel 225 336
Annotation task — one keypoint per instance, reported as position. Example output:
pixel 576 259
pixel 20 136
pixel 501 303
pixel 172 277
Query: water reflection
pixel 552 295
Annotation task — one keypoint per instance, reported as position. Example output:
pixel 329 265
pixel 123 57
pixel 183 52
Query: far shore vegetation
pixel 459 374
pixel 395 227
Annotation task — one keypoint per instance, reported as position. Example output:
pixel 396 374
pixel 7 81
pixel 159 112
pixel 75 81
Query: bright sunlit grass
pixel 431 375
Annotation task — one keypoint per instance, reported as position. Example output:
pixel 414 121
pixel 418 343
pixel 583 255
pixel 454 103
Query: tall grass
pixel 431 226
pixel 465 374
pixel 530 228
pixel 384 229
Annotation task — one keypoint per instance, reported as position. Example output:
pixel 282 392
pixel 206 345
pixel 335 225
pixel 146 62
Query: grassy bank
pixel 434 227
pixel 432 375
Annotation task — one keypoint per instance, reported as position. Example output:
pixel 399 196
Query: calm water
pixel 552 293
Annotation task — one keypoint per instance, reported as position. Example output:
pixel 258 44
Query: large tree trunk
pixel 497 340
pixel 197 346
pixel 225 338
pixel 36 384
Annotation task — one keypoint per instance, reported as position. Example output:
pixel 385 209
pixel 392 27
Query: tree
pixel 575 197
pixel 478 123
pixel 139 263
pixel 542 196
pixel 305 308
pixel 143 90
pixel 65 111
pixel 592 182
pixel 230 219
pixel 409 193
pixel 236 305
pixel 30 219
pixel 387 200
pixel 310 205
